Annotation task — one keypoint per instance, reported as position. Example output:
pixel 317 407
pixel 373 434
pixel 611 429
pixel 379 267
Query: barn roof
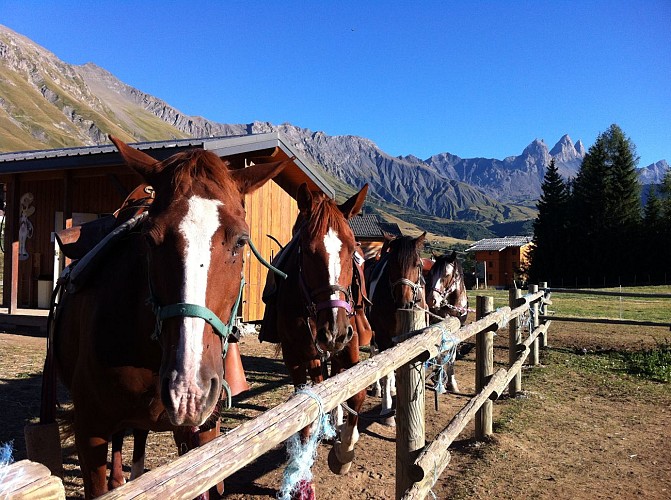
pixel 107 155
pixel 499 244
pixel 371 226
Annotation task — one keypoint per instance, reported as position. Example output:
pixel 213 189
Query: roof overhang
pixel 272 143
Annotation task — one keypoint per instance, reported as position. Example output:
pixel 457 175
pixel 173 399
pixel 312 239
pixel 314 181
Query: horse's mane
pixel 406 251
pixel 197 166
pixel 325 214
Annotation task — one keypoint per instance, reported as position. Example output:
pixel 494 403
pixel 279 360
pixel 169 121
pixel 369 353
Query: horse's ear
pixel 304 198
pixel 419 242
pixel 145 165
pixel 453 257
pixel 353 206
pixel 251 178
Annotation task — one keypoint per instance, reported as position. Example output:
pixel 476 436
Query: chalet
pixel 503 259
pixel 49 190
pixel 370 231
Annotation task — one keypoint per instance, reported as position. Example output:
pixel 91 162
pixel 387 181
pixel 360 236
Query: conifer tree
pixel 549 241
pixel 605 212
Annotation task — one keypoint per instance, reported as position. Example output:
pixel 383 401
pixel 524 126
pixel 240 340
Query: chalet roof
pixel 371 226
pixel 498 244
pixel 107 155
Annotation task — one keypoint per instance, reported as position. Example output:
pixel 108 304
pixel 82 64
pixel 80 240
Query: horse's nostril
pixel 350 332
pixel 323 336
pixel 165 392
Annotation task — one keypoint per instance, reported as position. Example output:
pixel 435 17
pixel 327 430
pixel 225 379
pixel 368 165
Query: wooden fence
pixel 418 465
pixel 608 321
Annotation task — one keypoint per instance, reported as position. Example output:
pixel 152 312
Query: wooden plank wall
pixel 97 195
pixel 270 210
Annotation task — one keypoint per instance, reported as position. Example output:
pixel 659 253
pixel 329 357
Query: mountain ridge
pixel 47 103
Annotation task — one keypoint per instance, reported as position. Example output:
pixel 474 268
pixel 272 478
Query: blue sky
pixel 469 78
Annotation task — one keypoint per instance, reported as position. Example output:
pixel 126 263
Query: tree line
pixel 592 230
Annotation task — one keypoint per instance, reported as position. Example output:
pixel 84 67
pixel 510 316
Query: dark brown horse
pixel 446 296
pixel 314 308
pixel 394 282
pixel 140 344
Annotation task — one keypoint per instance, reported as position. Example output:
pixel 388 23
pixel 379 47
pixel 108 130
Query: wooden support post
pixel 534 357
pixel 514 340
pixel 543 337
pixel 410 421
pixel 484 366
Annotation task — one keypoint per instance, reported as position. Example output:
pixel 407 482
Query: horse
pixel 446 296
pixel 394 281
pixel 313 310
pixel 140 344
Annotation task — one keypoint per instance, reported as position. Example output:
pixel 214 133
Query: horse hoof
pixel 112 484
pixel 388 419
pixel 335 465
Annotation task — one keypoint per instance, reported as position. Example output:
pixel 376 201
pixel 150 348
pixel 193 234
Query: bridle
pixel 454 282
pixel 312 306
pixel 416 287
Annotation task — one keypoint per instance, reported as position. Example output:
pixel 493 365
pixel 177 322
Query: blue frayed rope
pixel 6 450
pixel 302 455
pixel 448 354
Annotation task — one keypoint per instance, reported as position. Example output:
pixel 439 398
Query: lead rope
pixel 298 475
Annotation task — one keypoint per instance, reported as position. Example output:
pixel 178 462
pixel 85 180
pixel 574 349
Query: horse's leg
pixel 186 439
pixel 375 389
pixel 117 478
pixel 387 412
pixel 139 446
pixel 342 454
pixel 92 451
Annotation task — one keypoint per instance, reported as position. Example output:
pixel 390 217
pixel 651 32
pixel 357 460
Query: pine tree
pixel 549 241
pixel 605 209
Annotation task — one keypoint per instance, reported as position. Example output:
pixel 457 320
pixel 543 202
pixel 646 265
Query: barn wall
pixel 270 210
pixel 87 194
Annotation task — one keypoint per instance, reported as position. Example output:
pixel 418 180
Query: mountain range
pixel 47 103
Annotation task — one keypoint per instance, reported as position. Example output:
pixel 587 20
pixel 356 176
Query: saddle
pixel 88 244
pixel 77 241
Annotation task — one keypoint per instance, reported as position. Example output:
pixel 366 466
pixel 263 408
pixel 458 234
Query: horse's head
pixel 441 280
pixel 405 271
pixel 195 233
pixel 327 248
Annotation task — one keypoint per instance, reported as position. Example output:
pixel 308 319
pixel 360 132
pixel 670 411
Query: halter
pixel 416 287
pixel 308 295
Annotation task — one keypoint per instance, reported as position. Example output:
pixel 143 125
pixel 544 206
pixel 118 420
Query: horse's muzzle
pixel 329 342
pixel 189 404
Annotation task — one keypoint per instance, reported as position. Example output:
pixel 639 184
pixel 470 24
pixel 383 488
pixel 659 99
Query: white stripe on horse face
pixel 197 227
pixel 333 245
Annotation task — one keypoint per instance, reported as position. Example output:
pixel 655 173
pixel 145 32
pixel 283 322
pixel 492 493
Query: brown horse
pixel 394 282
pixel 314 311
pixel 140 344
pixel 446 296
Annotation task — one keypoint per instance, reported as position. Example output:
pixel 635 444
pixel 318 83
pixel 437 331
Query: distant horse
pixel 446 296
pixel 394 282
pixel 313 310
pixel 140 344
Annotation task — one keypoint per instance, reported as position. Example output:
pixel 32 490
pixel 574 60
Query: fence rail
pixel 215 461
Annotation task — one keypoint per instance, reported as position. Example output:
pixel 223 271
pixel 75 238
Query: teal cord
pixel 264 261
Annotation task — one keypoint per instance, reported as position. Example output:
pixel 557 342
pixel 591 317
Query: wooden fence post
pixel 534 358
pixel 514 340
pixel 410 410
pixel 543 337
pixel 484 366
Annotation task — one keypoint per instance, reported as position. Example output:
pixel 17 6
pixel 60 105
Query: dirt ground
pixel 577 432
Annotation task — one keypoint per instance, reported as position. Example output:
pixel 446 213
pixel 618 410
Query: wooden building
pixel 53 189
pixel 370 231
pixel 502 260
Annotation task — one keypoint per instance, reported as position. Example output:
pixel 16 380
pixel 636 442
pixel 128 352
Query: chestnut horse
pixel 394 282
pixel 314 308
pixel 446 296
pixel 140 344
